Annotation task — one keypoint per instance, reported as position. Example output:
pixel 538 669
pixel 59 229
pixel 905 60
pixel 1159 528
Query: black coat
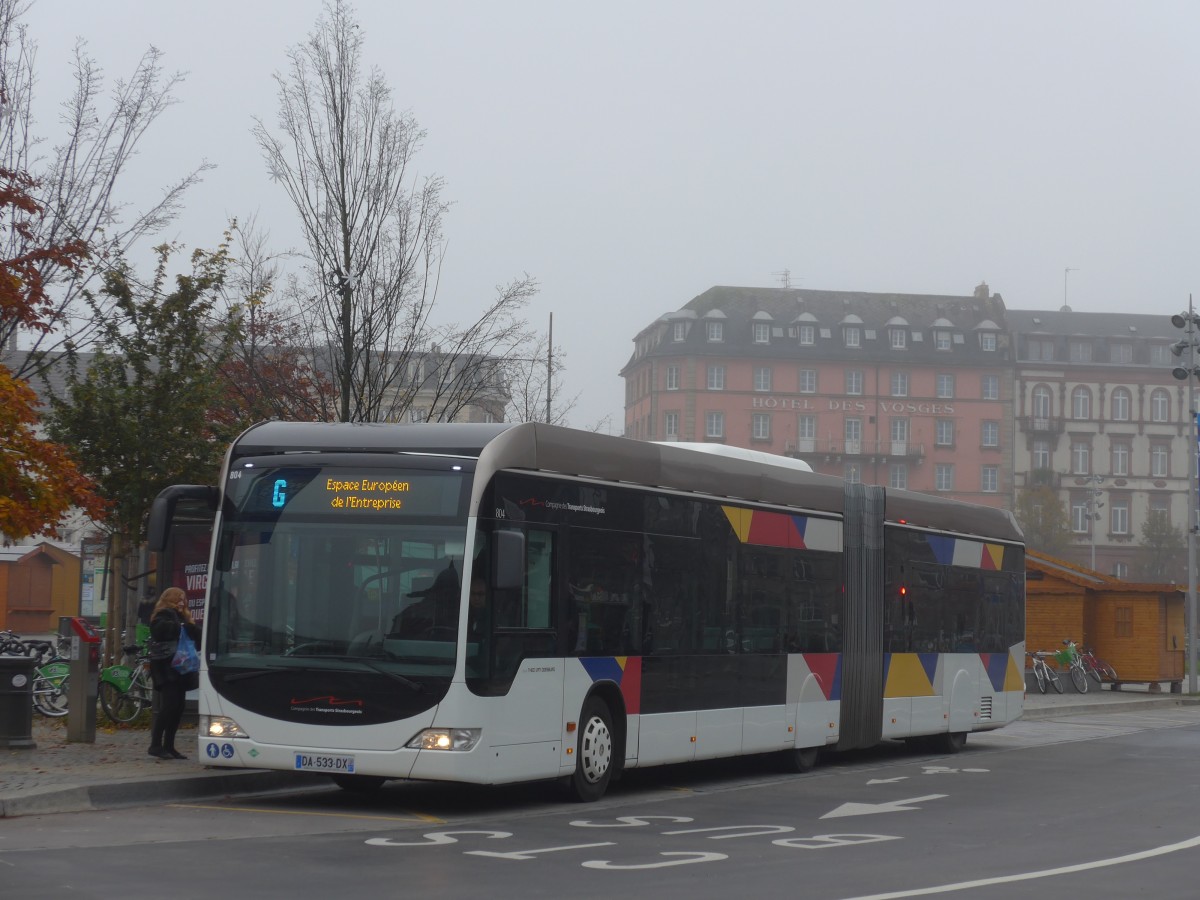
pixel 164 630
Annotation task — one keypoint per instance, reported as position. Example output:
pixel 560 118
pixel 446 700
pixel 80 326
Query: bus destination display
pixel 337 490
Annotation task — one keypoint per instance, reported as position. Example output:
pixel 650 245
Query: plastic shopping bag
pixel 186 659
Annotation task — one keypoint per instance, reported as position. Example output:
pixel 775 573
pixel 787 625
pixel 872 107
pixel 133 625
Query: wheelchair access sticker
pixel 213 750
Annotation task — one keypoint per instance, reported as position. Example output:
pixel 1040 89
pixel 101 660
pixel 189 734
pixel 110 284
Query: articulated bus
pixel 513 602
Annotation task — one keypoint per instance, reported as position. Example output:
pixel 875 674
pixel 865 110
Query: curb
pixel 1108 707
pixel 116 794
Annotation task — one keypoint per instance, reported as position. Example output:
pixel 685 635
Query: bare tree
pixel 76 182
pixel 535 386
pixel 373 231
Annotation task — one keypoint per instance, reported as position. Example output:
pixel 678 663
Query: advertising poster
pixel 94 575
pixel 189 567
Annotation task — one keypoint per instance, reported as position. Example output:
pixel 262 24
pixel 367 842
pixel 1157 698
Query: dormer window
pixel 853 336
pixel 942 340
pixel 678 331
pixel 808 334
pixel 762 332
pixel 715 331
pixel 987 341
pixel 898 337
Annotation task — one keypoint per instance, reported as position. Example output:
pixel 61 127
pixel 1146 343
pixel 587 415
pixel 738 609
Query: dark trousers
pixel 168 714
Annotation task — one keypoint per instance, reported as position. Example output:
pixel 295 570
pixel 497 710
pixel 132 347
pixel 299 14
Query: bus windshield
pixel 326 567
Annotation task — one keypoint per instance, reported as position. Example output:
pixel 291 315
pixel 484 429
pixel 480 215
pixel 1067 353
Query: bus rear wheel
pixel 594 752
pixel 359 784
pixel 801 759
pixel 951 741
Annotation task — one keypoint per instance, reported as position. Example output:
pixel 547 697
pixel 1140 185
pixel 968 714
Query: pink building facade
pixel 909 391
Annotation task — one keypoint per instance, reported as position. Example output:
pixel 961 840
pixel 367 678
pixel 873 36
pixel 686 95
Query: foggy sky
pixel 630 155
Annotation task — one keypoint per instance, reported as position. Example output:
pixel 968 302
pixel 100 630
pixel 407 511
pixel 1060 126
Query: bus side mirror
pixel 162 510
pixel 508 559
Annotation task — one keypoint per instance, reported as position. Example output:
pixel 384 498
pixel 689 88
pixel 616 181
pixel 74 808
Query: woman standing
pixel 170 616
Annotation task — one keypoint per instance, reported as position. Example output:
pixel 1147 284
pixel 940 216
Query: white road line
pixel 1044 873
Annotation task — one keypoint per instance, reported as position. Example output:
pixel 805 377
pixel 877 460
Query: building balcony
pixel 1051 425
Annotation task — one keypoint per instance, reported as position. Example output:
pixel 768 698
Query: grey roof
pixel 1105 324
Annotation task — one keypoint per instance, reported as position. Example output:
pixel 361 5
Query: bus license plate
pixel 317 762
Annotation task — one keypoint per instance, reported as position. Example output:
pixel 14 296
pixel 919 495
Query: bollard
pixel 16 702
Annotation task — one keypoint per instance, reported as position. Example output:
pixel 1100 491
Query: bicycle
pixel 127 690
pixel 51 679
pixel 1097 668
pixel 1042 673
pixel 1070 658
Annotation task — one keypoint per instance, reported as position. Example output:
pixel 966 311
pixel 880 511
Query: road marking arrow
pixel 866 809
pixel 886 780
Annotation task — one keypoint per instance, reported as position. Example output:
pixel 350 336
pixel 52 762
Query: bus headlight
pixel 446 739
pixel 222 727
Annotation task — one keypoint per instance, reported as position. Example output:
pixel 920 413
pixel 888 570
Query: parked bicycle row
pixel 124 690
pixel 1079 664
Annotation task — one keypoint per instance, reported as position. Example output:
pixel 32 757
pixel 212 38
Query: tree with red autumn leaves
pixel 39 482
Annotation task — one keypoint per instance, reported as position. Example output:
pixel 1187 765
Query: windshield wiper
pixel 374 667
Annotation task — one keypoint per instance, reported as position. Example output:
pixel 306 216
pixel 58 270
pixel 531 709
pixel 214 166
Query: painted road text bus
pixel 510 602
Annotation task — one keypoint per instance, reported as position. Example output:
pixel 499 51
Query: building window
pixel 852 430
pixel 1081 403
pixel 716 332
pixel 1124 622
pixel 1040 348
pixel 898 476
pixel 1160 406
pixel 806 428
pixel 1081 351
pixel 1080 457
pixel 942 340
pixel 1121 353
pixel 672 378
pixel 899 430
pixel 1041 454
pixel 853 335
pixel 989 435
pixel 854 382
pixel 1120 405
pixel 1120 459
pixel 899 384
pixel 989 387
pixel 1120 570
pixel 945 432
pixel 853 476
pixel 808 334
pixel 945 387
pixel 671 425
pixel 714 425
pixel 899 338
pixel 1158 460
pixel 762 332
pixel 1080 516
pixel 1120 517
pixel 808 381
pixel 1042 402
pixel 943 477
pixel 1160 354
pixel 987 341
pixel 762 378
pixel 760 427
pixel 716 378
pixel 989 479
pixel 678 331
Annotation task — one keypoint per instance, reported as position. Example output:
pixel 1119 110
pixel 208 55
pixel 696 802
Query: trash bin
pixel 16 702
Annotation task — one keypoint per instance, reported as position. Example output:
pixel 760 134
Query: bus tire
pixel 594 762
pixel 802 759
pixel 358 784
pixel 951 741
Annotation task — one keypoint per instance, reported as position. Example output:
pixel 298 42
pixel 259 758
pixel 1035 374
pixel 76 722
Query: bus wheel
pixel 594 752
pixel 801 759
pixel 951 742
pixel 359 784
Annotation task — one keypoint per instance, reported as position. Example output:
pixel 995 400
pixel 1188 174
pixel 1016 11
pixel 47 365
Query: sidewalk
pixel 65 776
pixel 61 776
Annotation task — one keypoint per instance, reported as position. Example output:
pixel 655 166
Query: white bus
pixel 503 603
